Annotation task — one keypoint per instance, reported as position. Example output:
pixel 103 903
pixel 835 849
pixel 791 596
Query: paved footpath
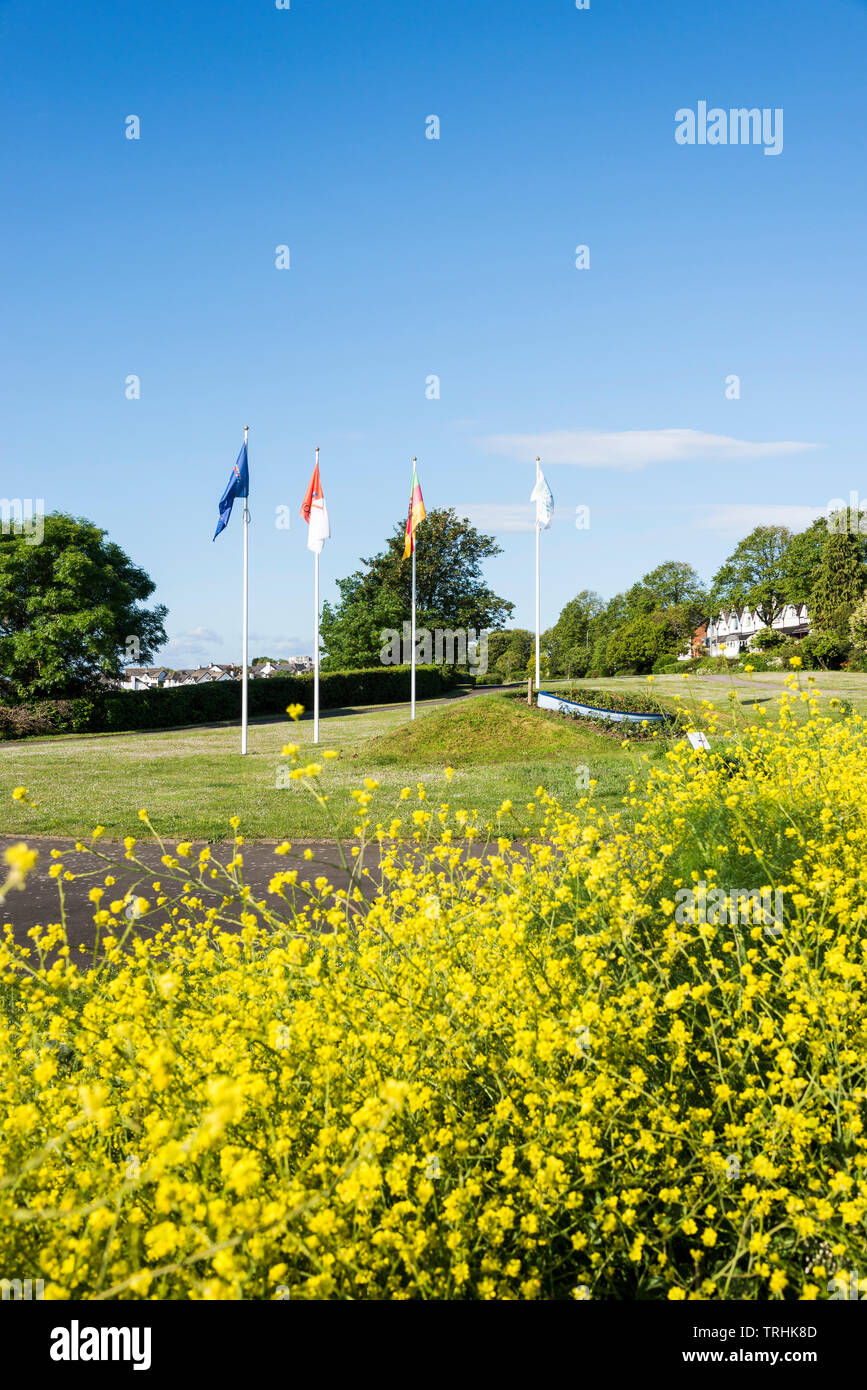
pixel 39 903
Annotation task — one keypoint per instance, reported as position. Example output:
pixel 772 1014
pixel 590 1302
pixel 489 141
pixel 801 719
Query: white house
pixel 733 630
pixel 143 677
pixel 162 678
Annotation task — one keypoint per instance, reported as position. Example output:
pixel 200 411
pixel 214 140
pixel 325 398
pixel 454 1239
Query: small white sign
pixel 698 739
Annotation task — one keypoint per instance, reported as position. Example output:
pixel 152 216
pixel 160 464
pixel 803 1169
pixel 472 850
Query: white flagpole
pixel 412 653
pixel 246 519
pixel 538 599
pixel 316 640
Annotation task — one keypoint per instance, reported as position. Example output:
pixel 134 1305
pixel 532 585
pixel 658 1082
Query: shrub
pixel 716 663
pixel 662 663
pixel 769 640
pixel 45 717
pixel 824 651
pixel 546 1074
pixel 757 662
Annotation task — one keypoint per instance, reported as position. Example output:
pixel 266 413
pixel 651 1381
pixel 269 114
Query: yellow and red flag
pixel 416 514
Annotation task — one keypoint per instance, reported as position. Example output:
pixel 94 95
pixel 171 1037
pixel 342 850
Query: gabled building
pixel 734 630
pixel 143 677
pixel 161 677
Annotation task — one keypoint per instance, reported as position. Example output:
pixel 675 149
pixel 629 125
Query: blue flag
pixel 237 486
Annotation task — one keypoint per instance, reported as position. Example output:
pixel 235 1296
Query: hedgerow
pixel 213 701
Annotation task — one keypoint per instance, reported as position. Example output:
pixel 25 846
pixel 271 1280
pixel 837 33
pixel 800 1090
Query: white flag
pixel 315 513
pixel 544 500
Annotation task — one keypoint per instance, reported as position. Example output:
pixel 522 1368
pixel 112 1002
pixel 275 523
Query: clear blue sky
pixel 412 257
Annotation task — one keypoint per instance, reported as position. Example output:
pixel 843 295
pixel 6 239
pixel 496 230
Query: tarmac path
pixel 38 903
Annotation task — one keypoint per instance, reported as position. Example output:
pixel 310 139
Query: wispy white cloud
pixel 739 518
pixel 281 646
pixel 194 637
pixel 200 645
pixel 724 518
pixel 191 648
pixel 500 517
pixel 632 449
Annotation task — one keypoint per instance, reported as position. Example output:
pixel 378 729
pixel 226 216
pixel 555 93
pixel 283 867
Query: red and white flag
pixel 315 513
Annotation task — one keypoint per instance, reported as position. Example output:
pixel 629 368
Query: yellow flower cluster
pixel 514 1072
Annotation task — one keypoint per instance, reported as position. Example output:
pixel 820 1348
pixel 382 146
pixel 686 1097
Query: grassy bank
pixel 192 780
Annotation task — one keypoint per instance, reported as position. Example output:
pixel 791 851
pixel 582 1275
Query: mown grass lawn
pixel 761 688
pixel 191 781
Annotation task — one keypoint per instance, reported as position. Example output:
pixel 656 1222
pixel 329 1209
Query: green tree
pixel 838 583
pixel 858 627
pixel 71 611
pixel 501 641
pixel 450 591
pixel 673 584
pixel 615 613
pixel 802 560
pixel 510 656
pixel 566 644
pixel 544 664
pixel 755 575
pixel 641 641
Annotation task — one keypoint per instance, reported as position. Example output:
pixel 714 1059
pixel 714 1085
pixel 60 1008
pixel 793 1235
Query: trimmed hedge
pixel 125 710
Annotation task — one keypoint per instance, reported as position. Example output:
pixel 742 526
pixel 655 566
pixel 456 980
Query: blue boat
pixel 556 702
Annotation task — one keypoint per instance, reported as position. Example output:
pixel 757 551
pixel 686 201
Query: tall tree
pixel 512 656
pixel 838 584
pixel 450 590
pixel 802 560
pixel 754 575
pixel 71 610
pixel 804 554
pixel 670 585
pixel 570 635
